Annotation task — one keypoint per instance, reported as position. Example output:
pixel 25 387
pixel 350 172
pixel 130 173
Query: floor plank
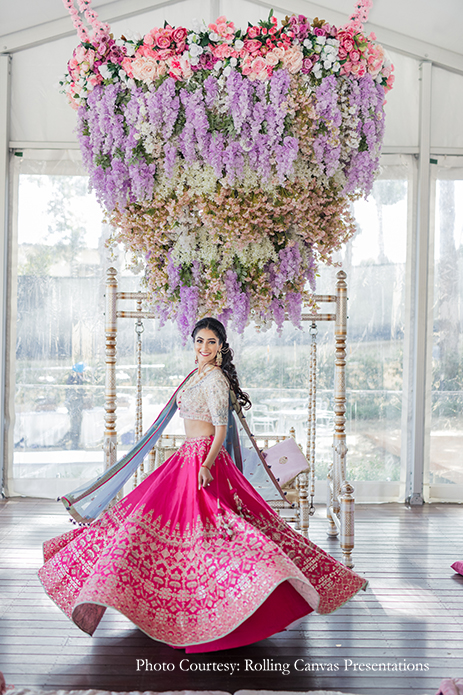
pixel 402 636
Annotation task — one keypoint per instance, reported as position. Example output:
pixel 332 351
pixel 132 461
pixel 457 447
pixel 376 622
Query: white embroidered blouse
pixel 205 398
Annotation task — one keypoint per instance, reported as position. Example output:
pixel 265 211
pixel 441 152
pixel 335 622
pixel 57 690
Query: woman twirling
pixel 194 556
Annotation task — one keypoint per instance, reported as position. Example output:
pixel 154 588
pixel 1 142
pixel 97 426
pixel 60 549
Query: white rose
pixel 233 62
pixel 227 71
pixel 218 65
pixel 239 44
pixel 336 66
pixel 307 43
pixel 195 50
pixel 321 40
pixel 327 64
pixel 213 36
pixel 194 60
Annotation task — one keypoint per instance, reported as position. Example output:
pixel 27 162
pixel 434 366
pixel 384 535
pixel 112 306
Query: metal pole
pixel 415 466
pixel 5 73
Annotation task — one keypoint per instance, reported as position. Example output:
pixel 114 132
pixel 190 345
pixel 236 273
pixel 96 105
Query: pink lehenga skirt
pixel 204 569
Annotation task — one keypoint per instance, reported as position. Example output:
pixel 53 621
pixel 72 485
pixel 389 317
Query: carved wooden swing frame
pixel 340 503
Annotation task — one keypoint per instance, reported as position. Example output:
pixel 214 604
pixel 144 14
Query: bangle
pixel 203 465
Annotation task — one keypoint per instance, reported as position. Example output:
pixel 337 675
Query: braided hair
pixel 227 366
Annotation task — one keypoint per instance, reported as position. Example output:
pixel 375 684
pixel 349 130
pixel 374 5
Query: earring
pixel 196 360
pixel 218 358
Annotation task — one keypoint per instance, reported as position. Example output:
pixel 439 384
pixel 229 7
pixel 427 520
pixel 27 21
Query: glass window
pixel 60 364
pixel 446 438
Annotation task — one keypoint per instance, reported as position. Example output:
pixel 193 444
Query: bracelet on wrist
pixel 203 465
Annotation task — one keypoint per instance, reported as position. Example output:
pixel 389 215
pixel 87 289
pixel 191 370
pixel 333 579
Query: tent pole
pixel 415 465
pixel 5 74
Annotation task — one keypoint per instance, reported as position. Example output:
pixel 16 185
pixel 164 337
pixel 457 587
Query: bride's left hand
pixel 204 477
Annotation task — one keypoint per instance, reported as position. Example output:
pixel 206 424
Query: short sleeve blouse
pixel 205 399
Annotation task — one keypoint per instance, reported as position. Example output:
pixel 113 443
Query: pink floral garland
pixel 91 17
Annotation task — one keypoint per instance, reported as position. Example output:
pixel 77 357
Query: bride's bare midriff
pixel 198 428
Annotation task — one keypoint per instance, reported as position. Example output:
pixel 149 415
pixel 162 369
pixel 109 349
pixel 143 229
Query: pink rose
pixel 147 69
pixel 348 45
pixel 292 60
pixel 148 40
pixel 179 68
pixel 221 51
pixel 319 31
pixel 127 66
pixel 224 30
pixel 358 69
pixel 278 52
pixel 162 41
pixel 346 69
pixel 206 61
pixel 93 80
pixel 253 32
pixel 181 47
pixel 179 34
pixel 252 45
pixel 165 54
pixel 258 65
pixel 354 56
pixel 342 53
pixel 307 65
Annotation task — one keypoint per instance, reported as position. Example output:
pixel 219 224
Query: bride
pixel 194 556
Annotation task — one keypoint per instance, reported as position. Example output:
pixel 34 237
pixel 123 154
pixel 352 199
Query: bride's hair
pixel 227 366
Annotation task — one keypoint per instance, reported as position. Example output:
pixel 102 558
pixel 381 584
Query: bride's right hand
pixel 204 477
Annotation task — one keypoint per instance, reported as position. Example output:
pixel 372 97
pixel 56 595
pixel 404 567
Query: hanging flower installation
pixel 227 159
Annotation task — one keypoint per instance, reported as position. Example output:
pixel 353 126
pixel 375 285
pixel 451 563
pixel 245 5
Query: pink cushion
pixel 458 566
pixel 285 460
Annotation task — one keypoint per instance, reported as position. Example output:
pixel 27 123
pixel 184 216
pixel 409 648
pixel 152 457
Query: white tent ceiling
pixel 416 27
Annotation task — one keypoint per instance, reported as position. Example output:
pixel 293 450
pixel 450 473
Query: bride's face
pixel 206 347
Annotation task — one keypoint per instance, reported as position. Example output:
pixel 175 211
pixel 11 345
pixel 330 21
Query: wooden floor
pixel 408 623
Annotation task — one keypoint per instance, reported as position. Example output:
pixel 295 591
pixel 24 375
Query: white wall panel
pixel 402 103
pixel 447 107
pixel 38 111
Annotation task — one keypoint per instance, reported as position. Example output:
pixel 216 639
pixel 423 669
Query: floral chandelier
pixel 227 159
